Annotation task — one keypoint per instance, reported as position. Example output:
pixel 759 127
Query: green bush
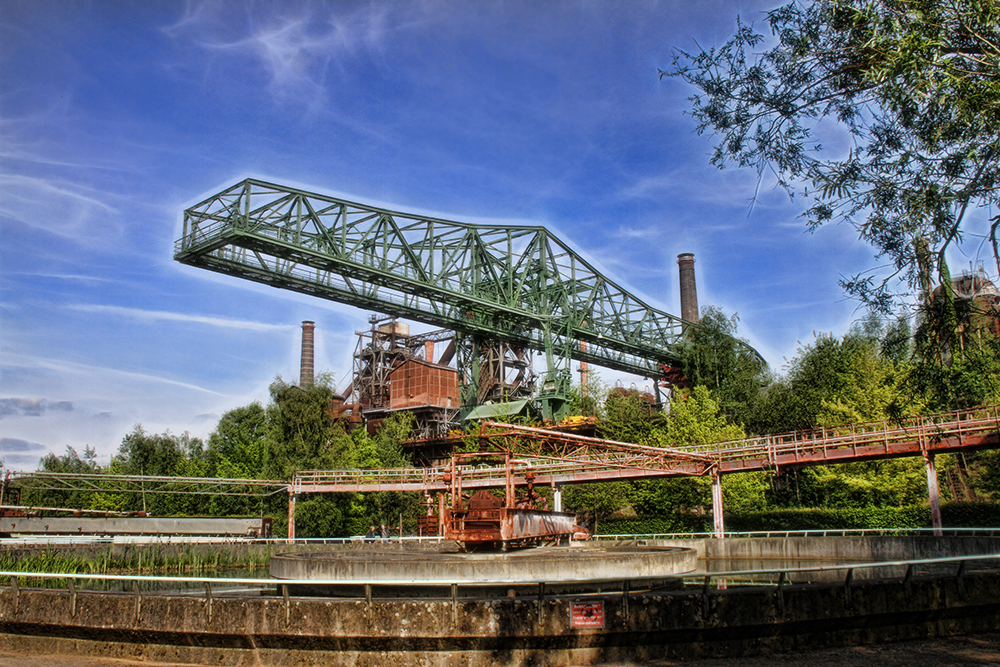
pixel 678 522
pixel 970 515
pixel 953 515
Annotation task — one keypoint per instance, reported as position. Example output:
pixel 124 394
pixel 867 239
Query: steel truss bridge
pixel 564 458
pixel 516 284
pixel 555 458
pixel 98 482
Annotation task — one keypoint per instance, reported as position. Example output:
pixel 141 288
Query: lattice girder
pixel 514 283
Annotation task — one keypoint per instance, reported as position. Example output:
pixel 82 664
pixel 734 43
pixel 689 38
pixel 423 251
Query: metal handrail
pixel 768 448
pixel 806 532
pixel 482 582
pixel 627 537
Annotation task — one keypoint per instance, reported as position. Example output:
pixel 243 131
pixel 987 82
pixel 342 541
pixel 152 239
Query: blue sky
pixel 116 115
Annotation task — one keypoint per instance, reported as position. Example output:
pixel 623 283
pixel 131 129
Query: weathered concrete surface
pixel 848 549
pixel 507 631
pixel 51 525
pixel 592 562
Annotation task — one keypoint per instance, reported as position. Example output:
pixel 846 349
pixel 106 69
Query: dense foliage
pixel 294 432
pixel 954 515
pixel 914 88
pixel 872 373
pixel 911 88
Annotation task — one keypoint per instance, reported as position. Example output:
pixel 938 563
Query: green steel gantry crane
pixel 517 284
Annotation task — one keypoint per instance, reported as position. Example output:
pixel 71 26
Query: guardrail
pixel 814 532
pixel 618 537
pixel 369 585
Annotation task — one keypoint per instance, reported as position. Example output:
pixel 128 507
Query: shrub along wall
pixel 953 515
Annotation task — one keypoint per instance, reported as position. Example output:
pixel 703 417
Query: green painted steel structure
pixel 518 284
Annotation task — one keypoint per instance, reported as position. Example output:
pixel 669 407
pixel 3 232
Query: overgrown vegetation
pixel 874 372
pixel 138 559
pixel 954 515
pixel 294 432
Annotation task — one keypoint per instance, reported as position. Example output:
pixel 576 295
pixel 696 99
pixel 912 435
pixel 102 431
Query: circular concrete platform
pixel 401 568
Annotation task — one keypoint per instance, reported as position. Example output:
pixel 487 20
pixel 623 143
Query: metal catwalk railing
pixel 75 540
pixel 557 458
pixel 927 434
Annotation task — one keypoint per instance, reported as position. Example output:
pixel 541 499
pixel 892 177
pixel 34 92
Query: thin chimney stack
pixel 306 368
pixel 689 293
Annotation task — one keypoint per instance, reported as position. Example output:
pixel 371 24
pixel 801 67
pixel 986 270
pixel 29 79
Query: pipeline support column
pixel 932 493
pixel 720 528
pixel 291 515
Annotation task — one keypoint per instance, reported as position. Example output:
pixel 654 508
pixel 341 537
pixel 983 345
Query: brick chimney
pixel 306 368
pixel 689 293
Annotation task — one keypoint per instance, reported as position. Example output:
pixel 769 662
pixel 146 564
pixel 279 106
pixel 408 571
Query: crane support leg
pixel 932 493
pixel 720 528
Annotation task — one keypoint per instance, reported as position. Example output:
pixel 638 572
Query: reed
pixel 136 559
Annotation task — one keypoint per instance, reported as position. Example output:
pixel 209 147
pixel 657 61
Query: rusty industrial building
pixel 395 371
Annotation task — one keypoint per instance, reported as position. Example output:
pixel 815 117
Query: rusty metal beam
pixel 562 458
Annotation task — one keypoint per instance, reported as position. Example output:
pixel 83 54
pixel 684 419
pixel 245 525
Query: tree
pixel 236 446
pixel 383 450
pixel 861 377
pixel 70 462
pixel 628 416
pixel 236 450
pixel 160 455
pixel 302 434
pixel 713 357
pixel 595 502
pixel 695 419
pixel 916 86
pixel 143 453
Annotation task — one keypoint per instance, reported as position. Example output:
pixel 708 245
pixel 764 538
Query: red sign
pixel 587 614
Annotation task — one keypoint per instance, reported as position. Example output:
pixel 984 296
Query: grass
pixel 136 559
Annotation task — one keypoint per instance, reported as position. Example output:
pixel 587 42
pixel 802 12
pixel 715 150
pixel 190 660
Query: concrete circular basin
pixel 551 565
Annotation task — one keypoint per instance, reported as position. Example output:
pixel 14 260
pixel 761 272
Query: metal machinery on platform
pixel 515 520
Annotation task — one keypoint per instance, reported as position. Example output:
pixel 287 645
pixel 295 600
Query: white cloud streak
pixel 159 315
pixel 64 367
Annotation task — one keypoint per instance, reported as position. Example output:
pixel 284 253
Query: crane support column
pixel 932 493
pixel 720 528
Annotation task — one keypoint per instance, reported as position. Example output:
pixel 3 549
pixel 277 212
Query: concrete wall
pixel 845 549
pixel 656 625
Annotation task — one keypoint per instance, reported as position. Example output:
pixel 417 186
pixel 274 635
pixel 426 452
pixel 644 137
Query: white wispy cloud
pixel 299 49
pixel 59 206
pixel 75 277
pixel 160 315
pixel 14 153
pixel 64 367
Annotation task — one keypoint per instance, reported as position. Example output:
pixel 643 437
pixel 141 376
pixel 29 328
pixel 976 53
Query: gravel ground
pixel 971 651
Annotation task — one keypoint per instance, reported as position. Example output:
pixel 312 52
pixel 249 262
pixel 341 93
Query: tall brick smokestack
pixel 306 368
pixel 689 293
